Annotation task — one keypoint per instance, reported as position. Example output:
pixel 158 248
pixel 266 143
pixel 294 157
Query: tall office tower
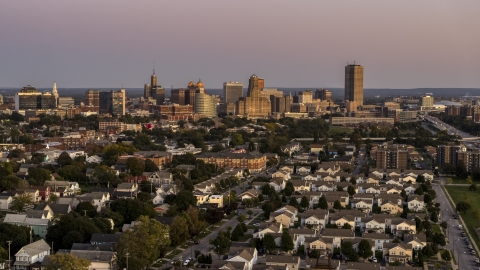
pixel 305 97
pixel 55 92
pixel 113 102
pixel 177 96
pixel 288 103
pixel 30 99
pixel 254 104
pixel 205 105
pixel 147 91
pixel 92 97
pixel 1 99
pixel 354 83
pixel 154 91
pixel 323 94
pixel 426 101
pixel 232 92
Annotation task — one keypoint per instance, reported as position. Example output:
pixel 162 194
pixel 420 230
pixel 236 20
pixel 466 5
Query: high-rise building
pixel 92 97
pixel 55 92
pixel 426 101
pixel 254 104
pixel 30 99
pixel 354 83
pixel 186 96
pixel 446 154
pixel 112 102
pixel 305 96
pixel 205 105
pixel 323 94
pixel 392 157
pixel 232 92
pixel 154 91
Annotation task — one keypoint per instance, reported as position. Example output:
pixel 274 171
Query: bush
pixel 446 255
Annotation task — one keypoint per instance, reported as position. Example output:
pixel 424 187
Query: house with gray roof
pixel 30 254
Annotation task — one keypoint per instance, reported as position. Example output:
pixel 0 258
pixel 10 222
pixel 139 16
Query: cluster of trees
pixel 268 242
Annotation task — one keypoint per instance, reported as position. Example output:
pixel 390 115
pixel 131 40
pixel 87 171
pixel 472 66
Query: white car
pixel 374 259
pixel 256 224
pixel 460 227
pixel 186 262
pixel 477 260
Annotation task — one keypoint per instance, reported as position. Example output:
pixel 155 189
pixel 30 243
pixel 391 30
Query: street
pixel 455 240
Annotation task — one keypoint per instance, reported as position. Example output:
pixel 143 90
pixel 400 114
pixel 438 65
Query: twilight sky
pixel 90 43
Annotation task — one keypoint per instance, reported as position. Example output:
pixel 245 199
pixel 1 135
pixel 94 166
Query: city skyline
pixel 408 44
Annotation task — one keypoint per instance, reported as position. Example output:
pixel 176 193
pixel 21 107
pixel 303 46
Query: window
pixel 392 252
pixel 401 253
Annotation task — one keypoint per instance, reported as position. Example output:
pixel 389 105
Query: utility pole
pixel 127 255
pixel 9 262
pixel 84 212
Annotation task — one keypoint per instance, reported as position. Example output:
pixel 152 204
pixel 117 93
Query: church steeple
pixel 54 89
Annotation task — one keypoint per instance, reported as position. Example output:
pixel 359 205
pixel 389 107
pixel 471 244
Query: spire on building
pixel 54 89
pixel 154 68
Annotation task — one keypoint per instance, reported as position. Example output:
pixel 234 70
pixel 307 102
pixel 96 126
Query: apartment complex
pixel 354 83
pixel 252 161
pixel 394 156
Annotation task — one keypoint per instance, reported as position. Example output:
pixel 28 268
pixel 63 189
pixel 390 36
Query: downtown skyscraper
pixel 354 84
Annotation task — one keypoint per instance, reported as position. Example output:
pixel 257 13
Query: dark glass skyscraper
pixel 354 84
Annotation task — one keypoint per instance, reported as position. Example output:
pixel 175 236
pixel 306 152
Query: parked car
pixel 186 262
pixel 473 252
pixel 460 227
pixel 477 260
pixel 256 224
pixel 373 259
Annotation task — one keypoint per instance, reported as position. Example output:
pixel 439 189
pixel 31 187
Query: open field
pixel 459 193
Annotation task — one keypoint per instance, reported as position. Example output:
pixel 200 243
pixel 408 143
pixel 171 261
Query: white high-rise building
pixel 55 93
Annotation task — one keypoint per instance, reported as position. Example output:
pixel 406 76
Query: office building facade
pixel 254 104
pixel 30 99
pixel 112 102
pixel 323 94
pixel 354 83
pixel 205 105
pixel 232 92
pixel 392 157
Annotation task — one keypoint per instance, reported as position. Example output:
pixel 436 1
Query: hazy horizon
pixel 402 45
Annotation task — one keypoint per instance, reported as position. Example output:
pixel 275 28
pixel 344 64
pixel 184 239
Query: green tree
pixel 337 205
pixel 434 216
pixel 11 182
pixel 38 176
pixel 179 231
pixel 286 242
pixel 349 252
pixel 105 175
pixel 463 207
pixel 365 249
pixel 131 209
pixel 112 152
pixel 52 198
pixel 67 261
pixel 222 242
pixel 289 189
pixel 346 226
pixel 184 199
pixel 73 228
pixel 237 139
pixel 304 202
pixel 150 166
pixel 143 243
pixel 64 159
pixel 351 190
pixel 293 202
pixel 269 242
pixel 20 202
pixel 135 166
pixel 446 255
pixel 439 239
pixel 86 208
pixel 322 202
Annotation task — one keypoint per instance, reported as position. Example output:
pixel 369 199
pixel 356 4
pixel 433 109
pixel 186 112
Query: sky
pixel 90 43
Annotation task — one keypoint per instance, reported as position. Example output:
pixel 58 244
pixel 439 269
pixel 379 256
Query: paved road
pixel 462 253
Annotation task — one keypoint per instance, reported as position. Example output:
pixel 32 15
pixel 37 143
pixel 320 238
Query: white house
pixel 30 254
pixel 243 254
pixel 5 201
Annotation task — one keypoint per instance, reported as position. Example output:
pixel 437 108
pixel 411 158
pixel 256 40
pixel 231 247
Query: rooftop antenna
pixel 153 67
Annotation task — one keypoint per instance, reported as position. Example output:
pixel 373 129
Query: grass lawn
pixel 173 254
pixel 203 234
pixel 436 228
pixel 458 180
pixel 459 194
pixel 338 129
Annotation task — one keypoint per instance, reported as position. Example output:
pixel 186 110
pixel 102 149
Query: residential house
pixel 362 266
pixel 401 227
pixel 417 241
pixel 364 205
pixel 397 252
pixel 324 245
pixel 378 238
pixel 291 262
pixel 6 200
pixel 374 225
pixel 278 183
pixel 230 265
pixel 127 187
pixel 415 203
pixel 218 199
pixel 267 227
pixel 338 235
pixel 281 174
pixel 393 198
pixel 299 235
pixel 38 223
pixel 54 208
pixel 315 218
pixel 32 253
pixel 287 169
pixel 44 192
pixel 99 239
pixel 390 207
pixel 340 220
pixel 286 215
pixel 159 178
pixel 201 196
pixel 303 170
pixel 98 259
pixel 249 194
pixel 242 254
